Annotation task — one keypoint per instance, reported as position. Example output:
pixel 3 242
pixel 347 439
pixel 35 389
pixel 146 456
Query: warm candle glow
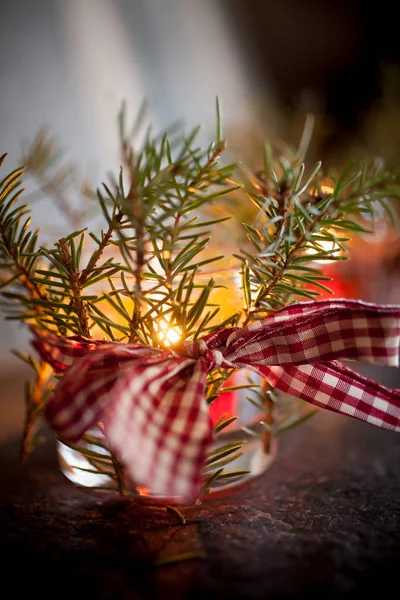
pixel 143 491
pixel 327 189
pixel 325 246
pixel 166 333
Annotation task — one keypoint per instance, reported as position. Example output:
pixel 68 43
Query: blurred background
pixel 68 64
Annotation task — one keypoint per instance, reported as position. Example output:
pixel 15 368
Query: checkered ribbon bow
pixel 152 401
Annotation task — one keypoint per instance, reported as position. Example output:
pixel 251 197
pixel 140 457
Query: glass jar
pixel 241 450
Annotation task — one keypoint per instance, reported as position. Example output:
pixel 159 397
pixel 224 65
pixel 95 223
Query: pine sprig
pixel 18 247
pixel 161 238
pixel 301 223
pixel 45 163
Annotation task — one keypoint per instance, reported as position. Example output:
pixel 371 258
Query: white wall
pixel 68 64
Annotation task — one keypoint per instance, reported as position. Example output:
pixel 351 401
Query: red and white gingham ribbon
pixel 152 401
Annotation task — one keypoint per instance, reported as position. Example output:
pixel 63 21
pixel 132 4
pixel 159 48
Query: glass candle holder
pixel 240 451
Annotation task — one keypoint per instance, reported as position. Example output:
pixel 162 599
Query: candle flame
pixel 166 333
pixel 143 491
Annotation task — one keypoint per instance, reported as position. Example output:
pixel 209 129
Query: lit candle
pixel 168 335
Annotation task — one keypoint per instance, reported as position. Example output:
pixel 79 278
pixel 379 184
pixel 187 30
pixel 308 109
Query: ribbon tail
pixel 333 386
pixel 320 331
pixel 159 427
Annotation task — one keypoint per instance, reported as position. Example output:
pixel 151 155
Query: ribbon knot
pixel 152 402
pixel 213 358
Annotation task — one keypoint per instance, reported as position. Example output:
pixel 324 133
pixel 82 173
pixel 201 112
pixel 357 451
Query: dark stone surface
pixel 324 521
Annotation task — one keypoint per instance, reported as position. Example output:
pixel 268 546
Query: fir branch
pixel 296 218
pixel 138 217
pixel 44 162
pixel 164 189
pixel 102 245
pixel 76 287
pixel 17 244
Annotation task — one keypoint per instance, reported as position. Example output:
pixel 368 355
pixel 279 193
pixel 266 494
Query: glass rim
pixel 224 273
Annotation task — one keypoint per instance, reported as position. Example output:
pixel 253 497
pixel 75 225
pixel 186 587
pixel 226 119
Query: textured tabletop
pixel 324 521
